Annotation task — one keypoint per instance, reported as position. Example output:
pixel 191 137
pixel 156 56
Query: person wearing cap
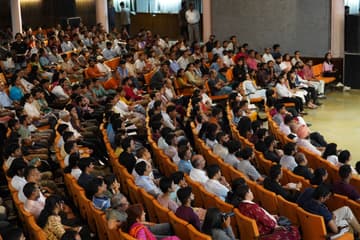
pixel 92 70
pixel 108 52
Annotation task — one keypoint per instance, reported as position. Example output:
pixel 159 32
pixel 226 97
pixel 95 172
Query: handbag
pixel 284 221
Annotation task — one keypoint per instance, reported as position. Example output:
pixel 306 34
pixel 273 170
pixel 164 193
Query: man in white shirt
pixel 184 60
pixel 198 173
pixel 216 183
pixel 67 45
pixel 220 148
pixel 124 17
pixel 59 92
pixel 233 146
pixel 34 204
pixel 64 118
pixel 140 64
pixel 103 68
pixel 169 117
pixel 267 56
pixel 192 18
pixel 288 159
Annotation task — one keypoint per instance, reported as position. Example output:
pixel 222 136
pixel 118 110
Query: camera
pixel 226 215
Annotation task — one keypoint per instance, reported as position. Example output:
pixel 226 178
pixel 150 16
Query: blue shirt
pixel 305 197
pixel 111 134
pixel 5 101
pixel 148 185
pixel 185 166
pixel 101 203
pixel 315 207
pixel 15 93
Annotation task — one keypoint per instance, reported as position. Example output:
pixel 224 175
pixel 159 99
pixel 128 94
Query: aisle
pixel 338 119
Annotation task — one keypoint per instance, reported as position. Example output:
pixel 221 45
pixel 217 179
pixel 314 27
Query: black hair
pixel 74 159
pixel 245 153
pixel 17 165
pixel 344 171
pixel 165 183
pixel 322 190
pixel 49 207
pixel 212 170
pixel 233 146
pixel 28 189
pixel 213 220
pixel 177 177
pixel 140 168
pixel 66 136
pixel 182 151
pixel 269 140
pixel 184 194
pixel 12 233
pixel 169 138
pixel 330 150
pixel 244 126
pixel 84 163
pixel 289 148
pixel 126 143
pixel 69 235
pixel 68 146
pixel 61 128
pixel 319 173
pixel 344 156
pixel 275 171
pixel 94 185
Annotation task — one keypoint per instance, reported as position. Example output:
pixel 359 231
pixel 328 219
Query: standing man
pixel 124 17
pixel 193 18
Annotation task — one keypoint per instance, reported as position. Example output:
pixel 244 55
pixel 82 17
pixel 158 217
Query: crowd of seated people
pixel 66 86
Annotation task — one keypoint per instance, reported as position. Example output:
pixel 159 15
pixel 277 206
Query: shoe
pixel 339 84
pixel 346 88
pixel 321 96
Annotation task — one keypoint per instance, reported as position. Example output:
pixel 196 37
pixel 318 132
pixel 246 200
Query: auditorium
pixel 179 119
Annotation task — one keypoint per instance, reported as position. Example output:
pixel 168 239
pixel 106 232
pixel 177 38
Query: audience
pixel 83 90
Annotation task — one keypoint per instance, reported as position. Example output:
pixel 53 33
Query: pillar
pixel 206 19
pixel 16 16
pixel 102 13
pixel 337 28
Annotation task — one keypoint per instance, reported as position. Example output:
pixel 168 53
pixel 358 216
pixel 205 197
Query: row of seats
pixel 312 226
pixel 155 211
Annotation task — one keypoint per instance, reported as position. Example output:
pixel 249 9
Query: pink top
pixel 168 203
pixel 252 63
pixel 308 73
pixel 327 67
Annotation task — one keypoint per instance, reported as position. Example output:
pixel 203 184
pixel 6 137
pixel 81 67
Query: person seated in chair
pixel 336 220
